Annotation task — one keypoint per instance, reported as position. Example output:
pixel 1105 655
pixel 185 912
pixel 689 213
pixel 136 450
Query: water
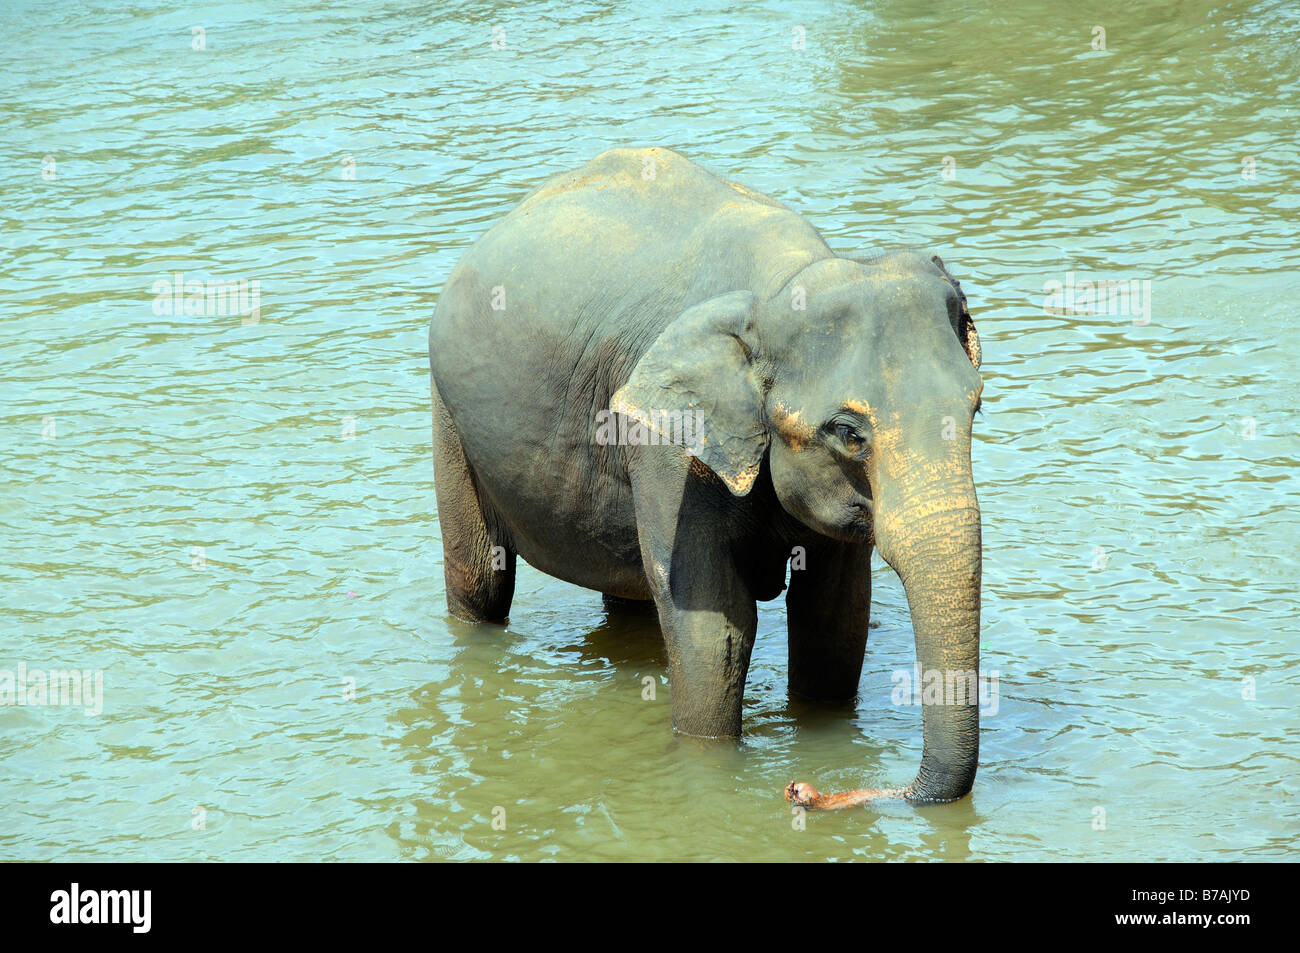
pixel 1138 480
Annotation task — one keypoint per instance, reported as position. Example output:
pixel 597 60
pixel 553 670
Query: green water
pixel 1138 477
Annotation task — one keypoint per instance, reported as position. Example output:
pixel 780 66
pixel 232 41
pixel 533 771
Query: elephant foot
pixel 806 796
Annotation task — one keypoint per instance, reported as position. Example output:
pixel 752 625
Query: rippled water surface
pixel 1138 477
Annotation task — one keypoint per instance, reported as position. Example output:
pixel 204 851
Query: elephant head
pixel 858 383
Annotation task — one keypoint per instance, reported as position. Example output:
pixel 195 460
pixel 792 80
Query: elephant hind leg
pixel 478 560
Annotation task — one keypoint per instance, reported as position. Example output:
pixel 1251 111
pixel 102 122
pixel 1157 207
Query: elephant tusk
pixel 804 795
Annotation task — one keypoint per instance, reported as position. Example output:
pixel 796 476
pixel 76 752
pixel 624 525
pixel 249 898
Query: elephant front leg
pixel 709 619
pixel 828 607
pixel 709 642
pixel 707 610
pixel 707 663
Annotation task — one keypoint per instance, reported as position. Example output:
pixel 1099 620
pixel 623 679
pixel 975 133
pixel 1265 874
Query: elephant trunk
pixel 927 527
pixel 932 540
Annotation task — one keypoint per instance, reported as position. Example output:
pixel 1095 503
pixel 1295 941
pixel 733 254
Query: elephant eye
pixel 850 437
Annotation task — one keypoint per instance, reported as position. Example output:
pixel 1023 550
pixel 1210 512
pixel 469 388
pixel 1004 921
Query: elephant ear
pixel 966 332
pixel 700 370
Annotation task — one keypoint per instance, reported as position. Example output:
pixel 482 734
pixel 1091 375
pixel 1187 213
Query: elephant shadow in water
pixel 626 636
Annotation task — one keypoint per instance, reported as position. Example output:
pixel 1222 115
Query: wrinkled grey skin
pixel 643 283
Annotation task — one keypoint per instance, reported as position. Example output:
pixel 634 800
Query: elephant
pixel 658 384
